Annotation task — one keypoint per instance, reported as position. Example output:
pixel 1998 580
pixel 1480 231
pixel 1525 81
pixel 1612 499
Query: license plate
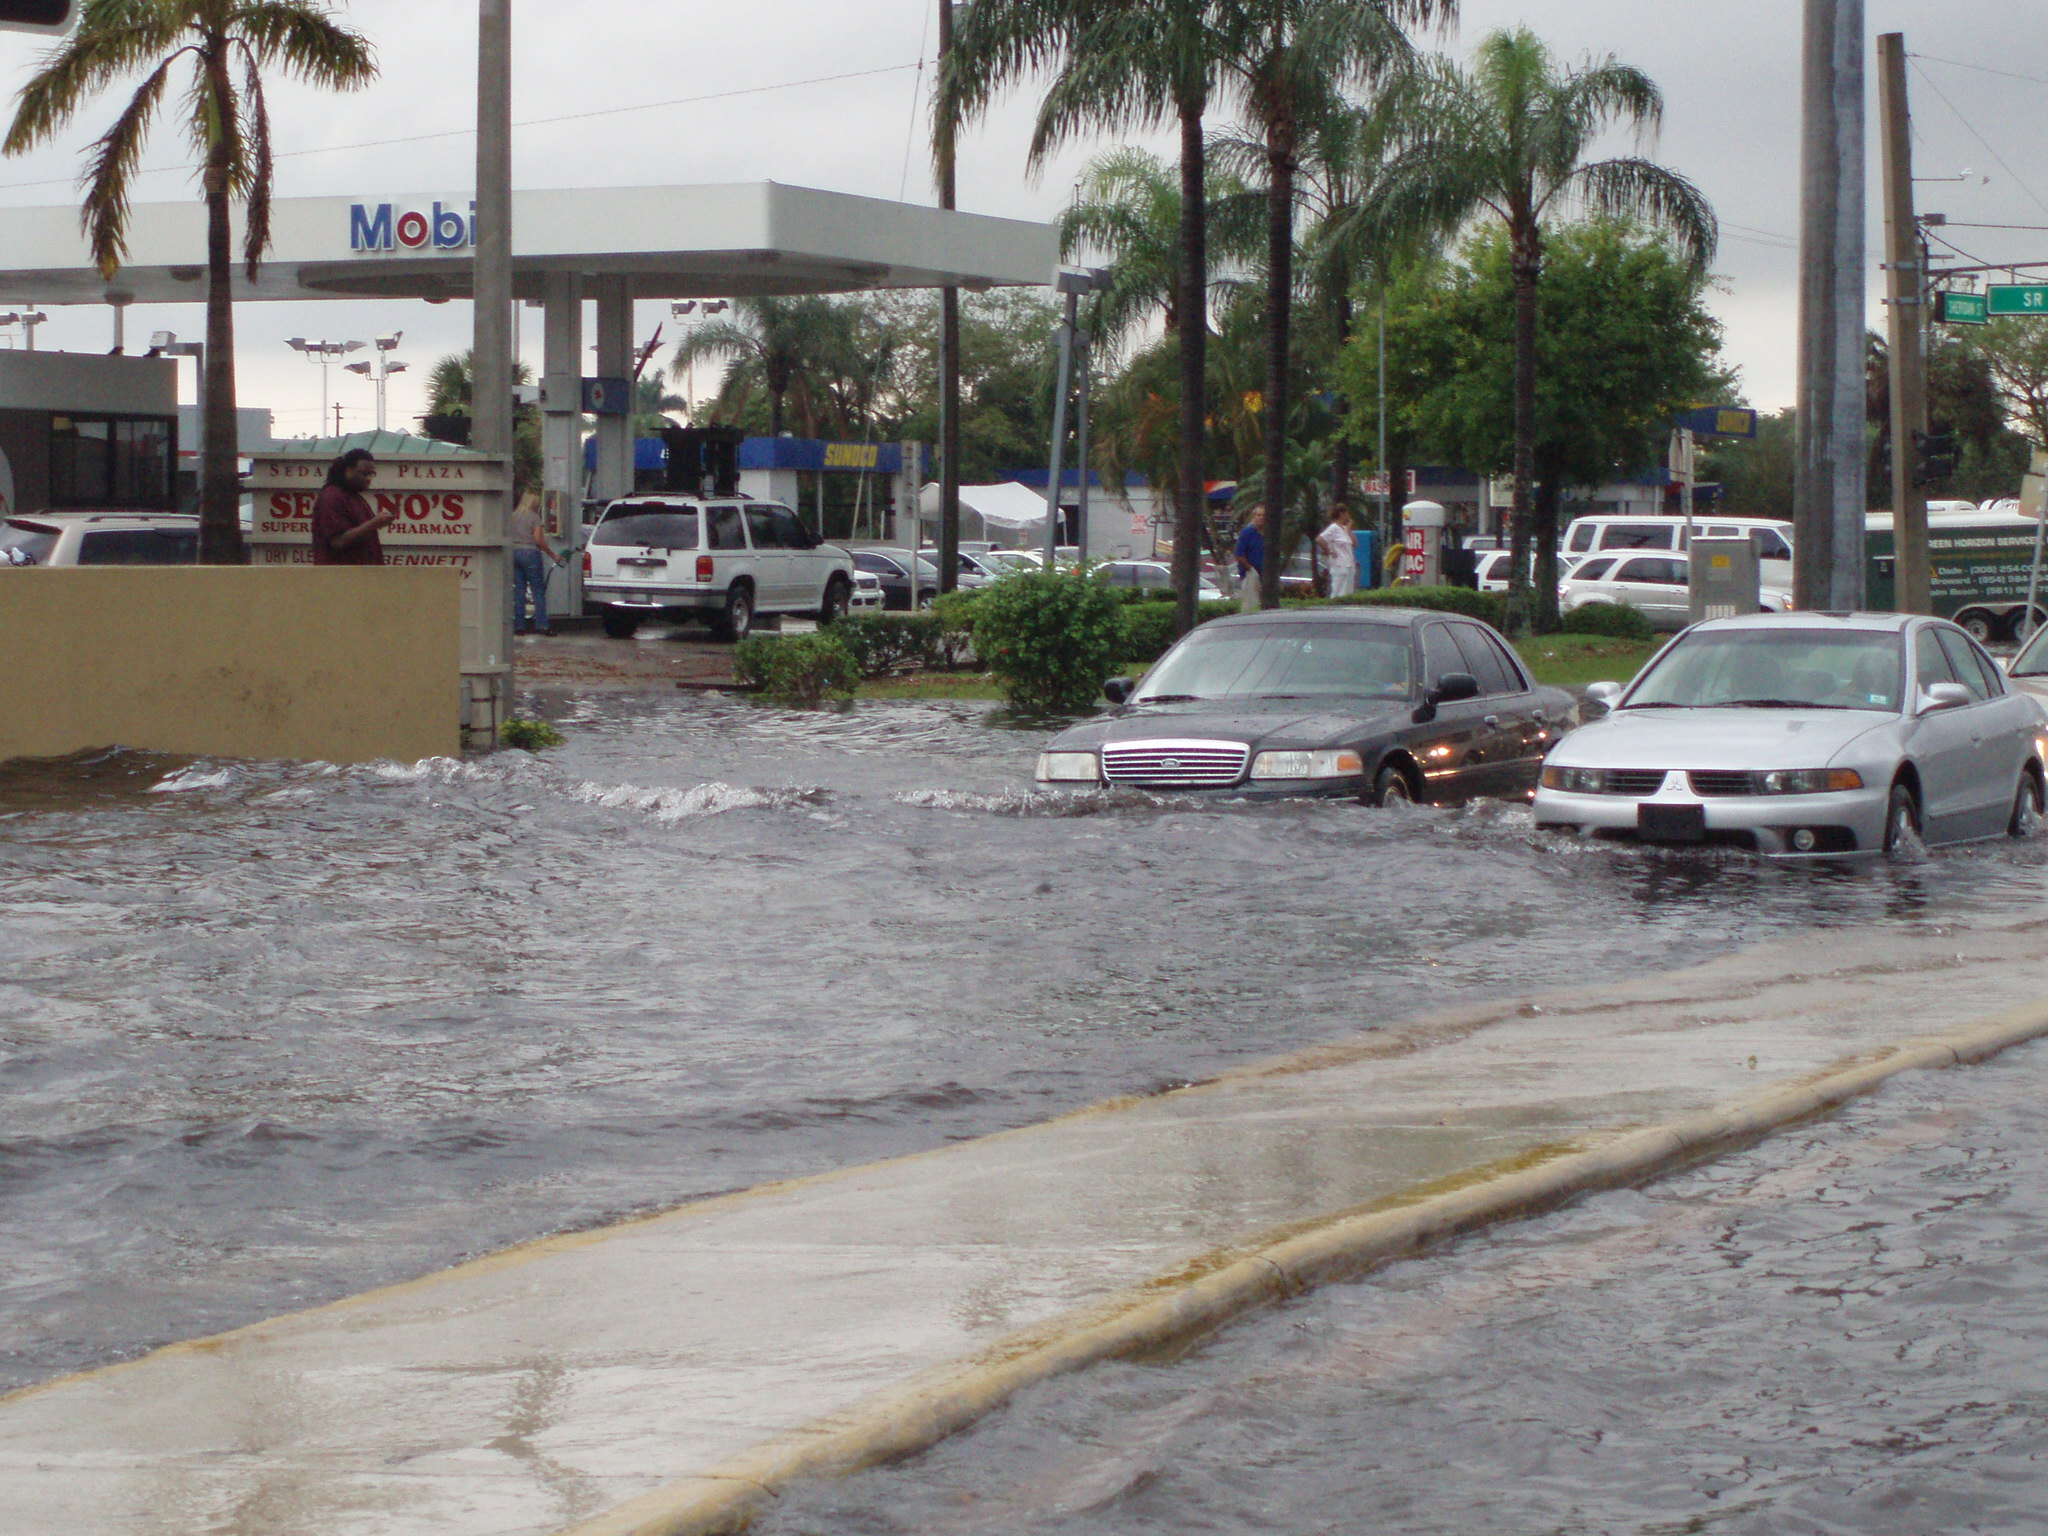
pixel 1672 823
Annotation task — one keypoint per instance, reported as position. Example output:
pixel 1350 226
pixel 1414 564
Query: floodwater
pixel 270 1034
pixel 1841 1330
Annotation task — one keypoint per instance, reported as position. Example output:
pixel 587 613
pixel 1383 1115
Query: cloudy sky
pixel 615 94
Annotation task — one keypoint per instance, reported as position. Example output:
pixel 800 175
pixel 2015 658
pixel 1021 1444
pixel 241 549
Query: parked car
pixel 891 567
pixel 867 592
pixel 1655 585
pixel 1385 705
pixel 1585 536
pixel 997 561
pixel 99 538
pixel 718 561
pixel 1805 733
pixel 1152 576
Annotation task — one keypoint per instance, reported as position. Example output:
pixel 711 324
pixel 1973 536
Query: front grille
pixel 1175 764
pixel 1632 781
pixel 1721 781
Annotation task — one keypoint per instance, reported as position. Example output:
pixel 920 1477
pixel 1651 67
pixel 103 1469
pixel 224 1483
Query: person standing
pixel 344 528
pixel 1251 559
pixel 532 554
pixel 1340 552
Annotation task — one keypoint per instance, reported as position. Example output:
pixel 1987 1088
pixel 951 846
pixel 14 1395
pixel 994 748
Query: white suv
pixel 720 560
pixel 99 538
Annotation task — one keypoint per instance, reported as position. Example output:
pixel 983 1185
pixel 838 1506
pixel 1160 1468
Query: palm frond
pixel 1644 190
pixel 115 38
pixel 111 164
pixel 304 42
pixel 259 172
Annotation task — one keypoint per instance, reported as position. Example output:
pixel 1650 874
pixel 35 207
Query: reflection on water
pixel 273 1033
pixel 1841 1330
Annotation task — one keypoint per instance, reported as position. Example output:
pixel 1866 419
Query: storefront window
pixel 99 461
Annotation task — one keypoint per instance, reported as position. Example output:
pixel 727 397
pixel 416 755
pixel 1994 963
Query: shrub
pixel 796 669
pixel 1050 638
pixel 890 642
pixel 1488 607
pixel 954 612
pixel 530 735
pixel 1148 630
pixel 1616 620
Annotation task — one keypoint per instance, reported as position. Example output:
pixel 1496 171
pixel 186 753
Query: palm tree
pixel 785 338
pixel 1292 62
pixel 1134 64
pixel 1508 140
pixel 447 416
pixel 227 121
pixel 652 404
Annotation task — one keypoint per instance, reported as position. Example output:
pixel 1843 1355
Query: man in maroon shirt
pixel 344 527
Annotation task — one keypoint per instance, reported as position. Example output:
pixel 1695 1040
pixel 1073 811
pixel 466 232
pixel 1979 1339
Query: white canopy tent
pixel 1007 508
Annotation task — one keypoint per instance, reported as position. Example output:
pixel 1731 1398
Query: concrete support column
pixel 614 361
pixel 561 432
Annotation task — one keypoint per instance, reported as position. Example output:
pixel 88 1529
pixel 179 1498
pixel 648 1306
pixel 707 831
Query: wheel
pixel 1977 624
pixel 1902 823
pixel 2026 808
pixel 737 621
pixel 924 603
pixel 1392 789
pixel 838 598
pixel 621 626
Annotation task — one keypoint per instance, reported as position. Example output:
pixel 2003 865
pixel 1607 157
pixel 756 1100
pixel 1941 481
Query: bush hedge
pixel 1049 638
pixel 1616 620
pixel 797 669
pixel 890 642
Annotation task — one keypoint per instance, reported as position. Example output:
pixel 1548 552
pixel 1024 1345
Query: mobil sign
pixel 434 226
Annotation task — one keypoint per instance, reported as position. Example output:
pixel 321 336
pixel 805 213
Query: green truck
pixel 1980 562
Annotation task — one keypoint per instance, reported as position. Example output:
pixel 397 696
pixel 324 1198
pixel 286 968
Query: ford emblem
pixel 1169 762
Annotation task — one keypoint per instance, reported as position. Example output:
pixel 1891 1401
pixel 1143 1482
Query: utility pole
pixel 949 352
pixel 490 393
pixel 1081 339
pixel 1072 285
pixel 1905 288
pixel 1827 497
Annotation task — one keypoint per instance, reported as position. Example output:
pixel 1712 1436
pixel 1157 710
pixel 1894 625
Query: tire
pixel 1902 823
pixel 2026 808
pixel 1978 625
pixel 1391 789
pixel 838 599
pixel 924 604
pixel 621 626
pixel 737 621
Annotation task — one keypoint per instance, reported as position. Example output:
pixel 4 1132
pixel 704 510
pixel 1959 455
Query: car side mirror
pixel 1453 686
pixel 1117 690
pixel 1938 696
pixel 1603 693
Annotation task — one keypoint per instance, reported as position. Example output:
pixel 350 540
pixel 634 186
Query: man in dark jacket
pixel 344 528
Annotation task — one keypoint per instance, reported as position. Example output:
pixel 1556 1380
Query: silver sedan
pixel 1806 733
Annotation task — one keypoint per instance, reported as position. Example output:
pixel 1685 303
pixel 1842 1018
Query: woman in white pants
pixel 1340 552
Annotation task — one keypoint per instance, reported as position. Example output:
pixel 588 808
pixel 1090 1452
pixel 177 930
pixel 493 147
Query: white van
pixel 1609 534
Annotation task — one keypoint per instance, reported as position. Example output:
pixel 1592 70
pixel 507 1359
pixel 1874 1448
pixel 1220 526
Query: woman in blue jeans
pixel 531 556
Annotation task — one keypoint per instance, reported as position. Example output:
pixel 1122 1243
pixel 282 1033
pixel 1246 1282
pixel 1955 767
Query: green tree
pixel 782 345
pixel 653 405
pixel 1137 64
pixel 1509 140
pixel 1290 65
pixel 1623 342
pixel 228 45
pixel 1755 474
pixel 2014 351
pixel 447 416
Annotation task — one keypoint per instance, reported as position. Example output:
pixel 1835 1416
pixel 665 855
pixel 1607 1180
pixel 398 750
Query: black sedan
pixel 1389 705
pixel 892 567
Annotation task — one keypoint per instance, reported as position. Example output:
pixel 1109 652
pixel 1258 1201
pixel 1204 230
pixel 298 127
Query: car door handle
pixel 1492 721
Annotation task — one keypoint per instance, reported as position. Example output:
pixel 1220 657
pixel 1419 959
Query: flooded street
pixel 273 1034
pixel 1838 1331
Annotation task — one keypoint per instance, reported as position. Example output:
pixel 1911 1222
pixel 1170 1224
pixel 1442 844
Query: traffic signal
pixel 37 15
pixel 1934 457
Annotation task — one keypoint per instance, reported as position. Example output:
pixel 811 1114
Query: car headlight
pixel 1068 768
pixel 1807 781
pixel 1307 765
pixel 1575 781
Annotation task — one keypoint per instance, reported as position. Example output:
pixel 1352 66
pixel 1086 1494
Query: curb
pixel 1172 1311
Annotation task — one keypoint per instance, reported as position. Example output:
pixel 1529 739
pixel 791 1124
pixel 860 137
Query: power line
pixel 1965 224
pixel 1982 69
pixel 532 122
pixel 1993 153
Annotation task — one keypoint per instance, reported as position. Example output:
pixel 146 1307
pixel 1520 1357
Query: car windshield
pixel 26 543
pixel 648 527
pixel 1775 668
pixel 1298 660
pixel 2032 660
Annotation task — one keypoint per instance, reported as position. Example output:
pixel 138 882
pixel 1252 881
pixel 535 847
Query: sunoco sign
pixel 387 227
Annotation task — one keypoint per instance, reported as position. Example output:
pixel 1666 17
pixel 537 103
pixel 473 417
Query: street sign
pixel 1961 308
pixel 2018 298
pixel 1717 421
pixel 37 15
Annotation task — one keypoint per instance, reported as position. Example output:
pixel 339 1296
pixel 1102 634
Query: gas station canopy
pixel 663 242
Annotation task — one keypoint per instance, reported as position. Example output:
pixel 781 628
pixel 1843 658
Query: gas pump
pixel 1422 538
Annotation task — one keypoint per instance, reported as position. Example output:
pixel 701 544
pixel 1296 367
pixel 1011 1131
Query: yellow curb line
pixel 1173 1311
